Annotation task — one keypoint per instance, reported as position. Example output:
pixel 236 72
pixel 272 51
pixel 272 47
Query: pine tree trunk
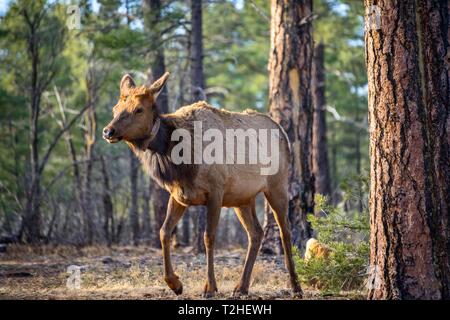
pixel 197 93
pixel 408 73
pixel 196 52
pixel 319 151
pixel 290 103
pixel 272 243
pixel 160 197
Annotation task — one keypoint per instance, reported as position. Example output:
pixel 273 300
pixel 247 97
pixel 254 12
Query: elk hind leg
pixel 247 216
pixel 279 202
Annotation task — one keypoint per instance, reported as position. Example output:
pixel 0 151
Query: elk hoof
pixel 297 292
pixel 208 295
pixel 239 292
pixel 209 291
pixel 174 284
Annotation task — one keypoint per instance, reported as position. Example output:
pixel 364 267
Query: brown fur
pixel 215 185
pixel 156 158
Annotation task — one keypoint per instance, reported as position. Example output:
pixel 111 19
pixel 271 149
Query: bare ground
pixel 135 273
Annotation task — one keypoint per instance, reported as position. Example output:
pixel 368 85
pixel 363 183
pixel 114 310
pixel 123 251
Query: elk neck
pixel 155 156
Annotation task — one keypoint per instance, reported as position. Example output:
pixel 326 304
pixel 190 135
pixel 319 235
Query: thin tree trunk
pixel 146 217
pixel 197 93
pixel 134 213
pixel 199 245
pixel 225 230
pixel 152 12
pixel 32 16
pixel 73 156
pixel 134 167
pixel 186 220
pixel 90 123
pixel 290 103
pixel 108 209
pixel 320 148
pixel 272 243
pixel 186 230
pixel 335 196
pixel 160 199
pixel 358 168
pixel 408 72
pixel 196 52
pixel 32 221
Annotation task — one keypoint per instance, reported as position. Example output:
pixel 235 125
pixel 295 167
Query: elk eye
pixel 139 110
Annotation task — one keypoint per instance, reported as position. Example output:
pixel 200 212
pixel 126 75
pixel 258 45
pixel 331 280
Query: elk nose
pixel 108 132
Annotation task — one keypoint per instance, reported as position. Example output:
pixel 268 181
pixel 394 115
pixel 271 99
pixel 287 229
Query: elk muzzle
pixel 110 134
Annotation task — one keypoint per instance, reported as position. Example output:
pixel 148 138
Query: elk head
pixel 135 117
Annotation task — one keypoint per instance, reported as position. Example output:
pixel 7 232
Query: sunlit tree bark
pixel 290 102
pixel 408 71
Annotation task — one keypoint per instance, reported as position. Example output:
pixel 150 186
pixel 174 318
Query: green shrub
pixel 347 236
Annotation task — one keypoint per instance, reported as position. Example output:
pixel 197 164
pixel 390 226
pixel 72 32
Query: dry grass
pixel 132 273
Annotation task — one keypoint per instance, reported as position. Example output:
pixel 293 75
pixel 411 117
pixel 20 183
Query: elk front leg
pixel 212 219
pixel 174 213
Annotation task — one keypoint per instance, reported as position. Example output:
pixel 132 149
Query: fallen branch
pixel 259 11
pixel 337 117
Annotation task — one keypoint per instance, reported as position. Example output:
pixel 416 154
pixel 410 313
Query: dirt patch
pixel 134 273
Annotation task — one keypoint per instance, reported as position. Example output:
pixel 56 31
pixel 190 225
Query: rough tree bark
pixel 272 242
pixel 407 59
pixel 319 138
pixel 197 93
pixel 196 52
pixel 290 102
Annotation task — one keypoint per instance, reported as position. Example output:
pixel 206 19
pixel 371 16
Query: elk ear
pixel 126 83
pixel 157 86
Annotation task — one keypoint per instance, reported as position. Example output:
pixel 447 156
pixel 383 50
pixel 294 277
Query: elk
pixel 137 121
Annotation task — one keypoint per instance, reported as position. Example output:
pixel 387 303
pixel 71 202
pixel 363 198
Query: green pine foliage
pixel 346 234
